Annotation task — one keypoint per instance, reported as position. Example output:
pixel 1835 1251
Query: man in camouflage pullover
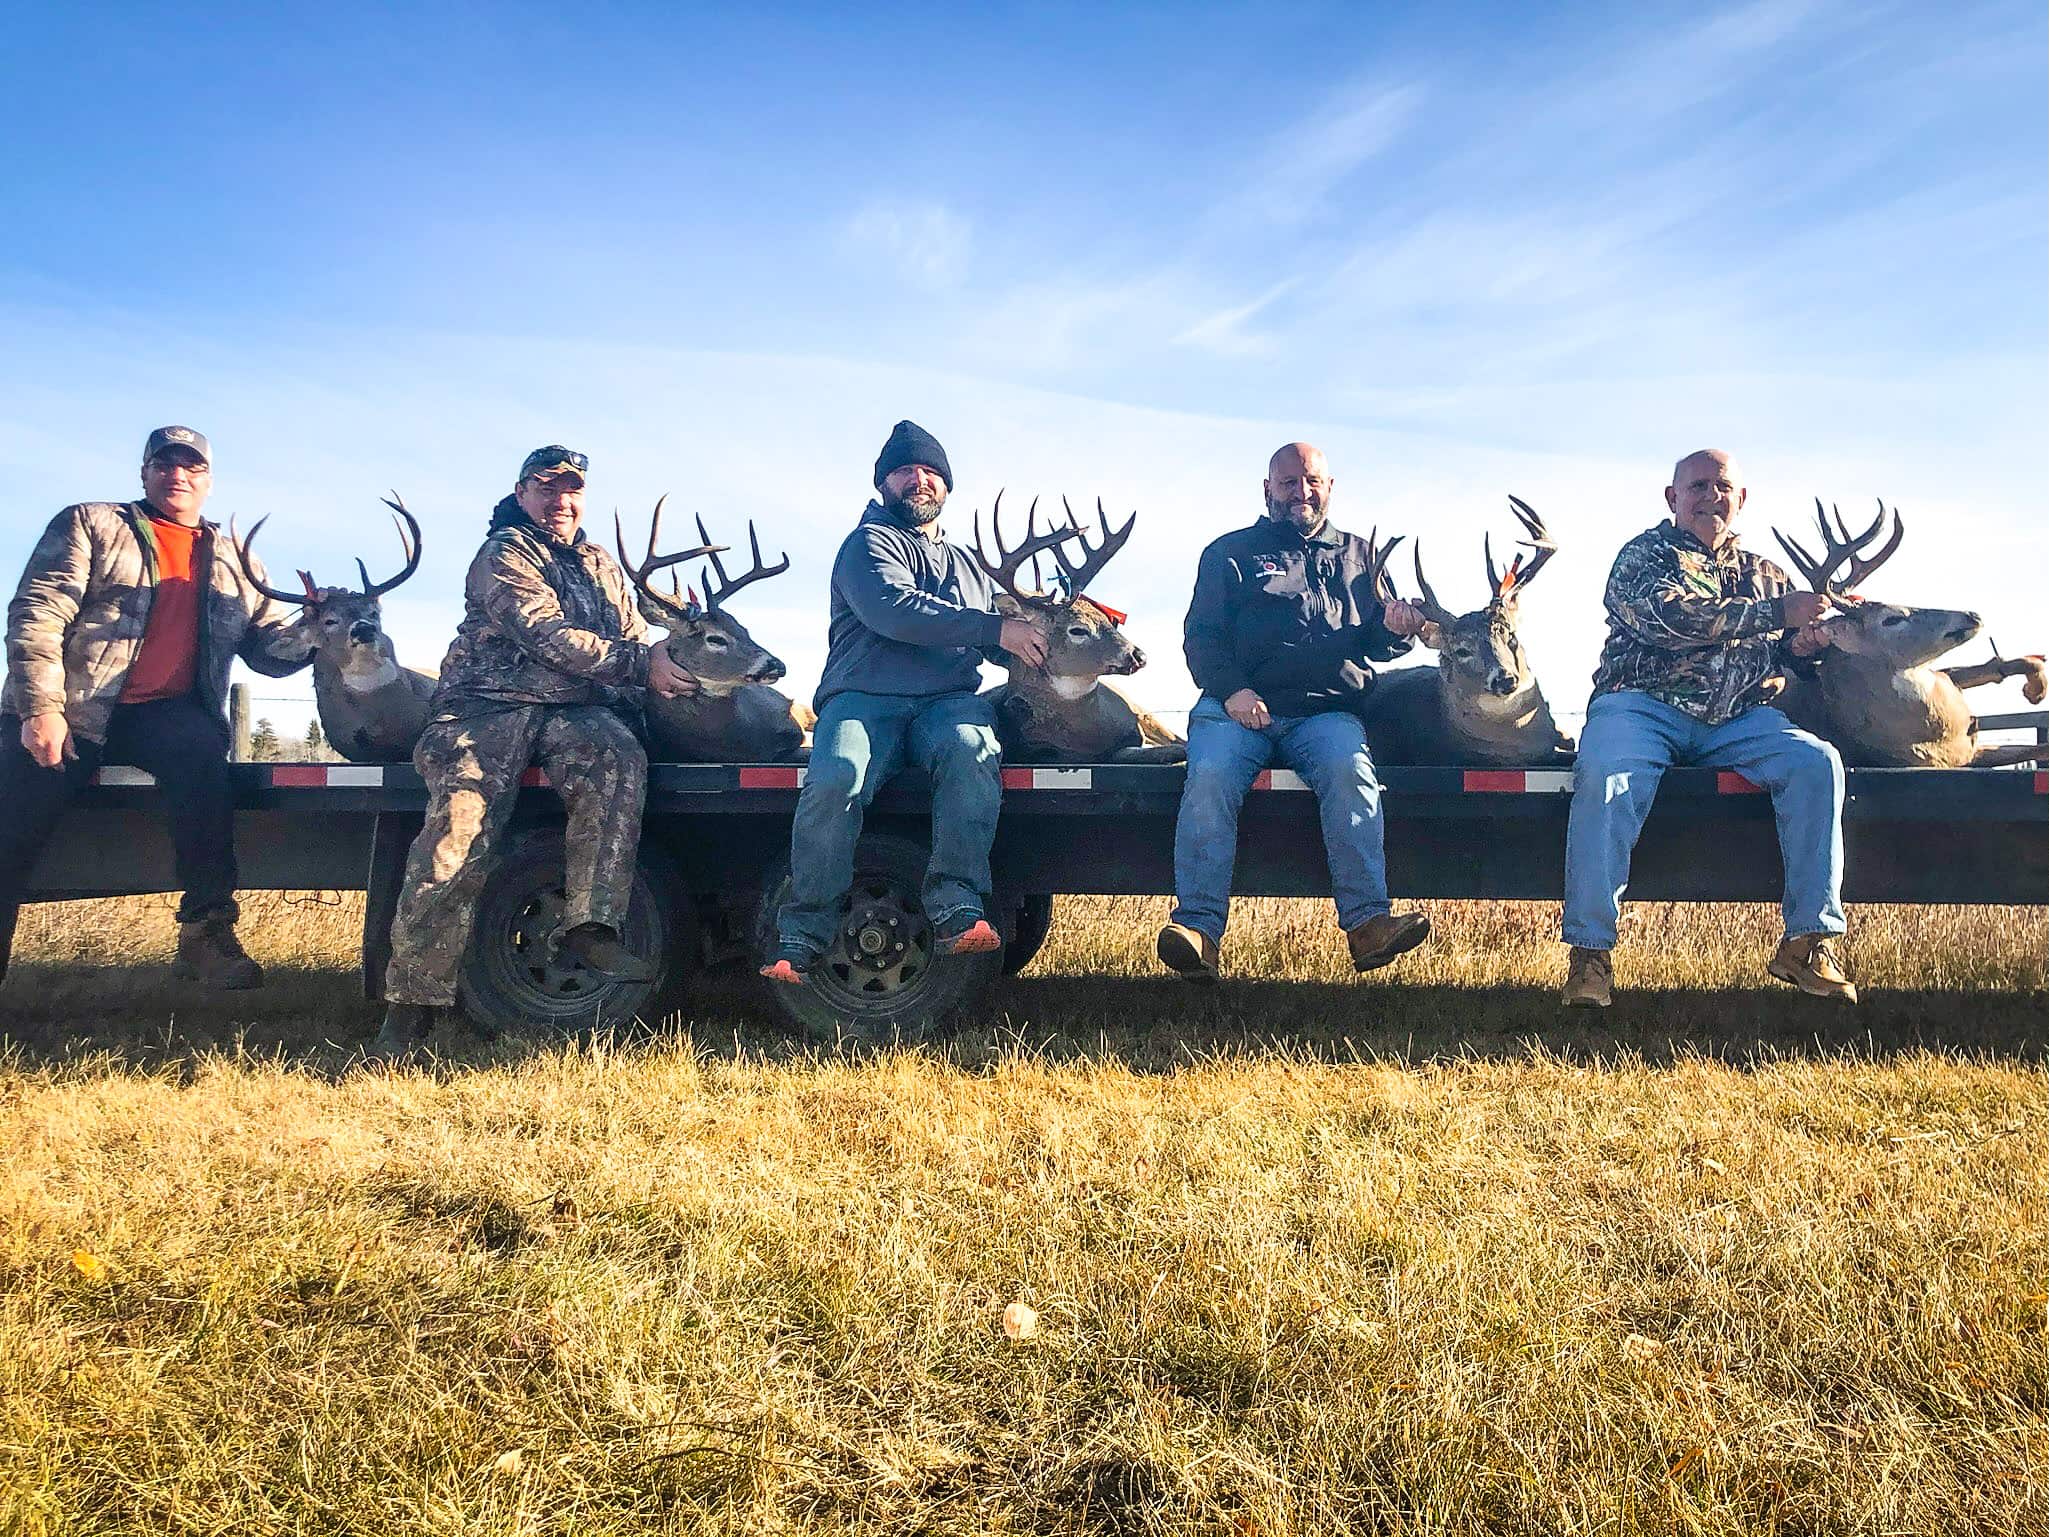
pixel 545 669
pixel 1699 633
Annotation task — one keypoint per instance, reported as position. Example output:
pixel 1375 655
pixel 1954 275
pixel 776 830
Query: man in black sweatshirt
pixel 912 619
pixel 1281 636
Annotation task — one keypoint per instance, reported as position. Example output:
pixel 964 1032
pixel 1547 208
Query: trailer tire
pixel 509 981
pixel 883 982
pixel 1031 920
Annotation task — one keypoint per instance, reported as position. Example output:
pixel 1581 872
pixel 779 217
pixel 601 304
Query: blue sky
pixel 1098 250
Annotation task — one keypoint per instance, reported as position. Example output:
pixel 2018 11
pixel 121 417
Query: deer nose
pixel 1137 659
pixel 770 671
pixel 363 634
pixel 1501 683
pixel 1968 626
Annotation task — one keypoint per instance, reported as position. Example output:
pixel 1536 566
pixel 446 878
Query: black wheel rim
pixel 521 968
pixel 883 948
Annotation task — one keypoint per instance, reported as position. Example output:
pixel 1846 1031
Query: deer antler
pixel 1079 575
pixel 1840 546
pixel 1433 611
pixel 411 547
pixel 296 599
pixel 1518 576
pixel 672 611
pixel 1377 563
pixel 1003 570
pixel 715 596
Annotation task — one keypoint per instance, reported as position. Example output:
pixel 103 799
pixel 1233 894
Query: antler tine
pixel 1540 544
pixel 653 562
pixel 1080 574
pixel 403 520
pixel 1004 569
pixel 1383 583
pixel 1808 567
pixel 1434 611
pixel 298 599
pixel 715 597
pixel 1860 568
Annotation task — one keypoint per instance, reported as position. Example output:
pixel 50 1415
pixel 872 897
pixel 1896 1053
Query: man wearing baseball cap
pixel 546 668
pixel 913 617
pixel 119 642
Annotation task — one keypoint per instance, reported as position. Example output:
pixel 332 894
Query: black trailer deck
pixel 716 842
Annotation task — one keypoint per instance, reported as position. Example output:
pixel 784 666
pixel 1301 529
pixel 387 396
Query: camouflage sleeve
pixel 631 625
pixel 44 605
pixel 517 596
pixel 272 643
pixel 1652 596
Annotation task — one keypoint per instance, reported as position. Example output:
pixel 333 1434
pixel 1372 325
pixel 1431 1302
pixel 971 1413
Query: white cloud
pixel 925 244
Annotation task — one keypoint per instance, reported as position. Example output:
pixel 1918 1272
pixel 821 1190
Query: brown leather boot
pixel 1379 940
pixel 1589 980
pixel 211 955
pixel 599 950
pixel 1809 962
pixel 1188 953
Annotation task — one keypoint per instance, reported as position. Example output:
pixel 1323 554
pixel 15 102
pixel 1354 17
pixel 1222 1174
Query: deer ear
pixel 1009 607
pixel 1431 636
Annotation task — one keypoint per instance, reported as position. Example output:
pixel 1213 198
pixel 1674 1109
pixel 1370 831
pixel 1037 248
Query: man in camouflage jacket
pixel 545 669
pixel 119 642
pixel 1699 635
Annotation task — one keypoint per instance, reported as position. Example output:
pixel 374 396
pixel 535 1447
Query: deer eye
pixel 1893 619
pixel 1077 632
pixel 716 642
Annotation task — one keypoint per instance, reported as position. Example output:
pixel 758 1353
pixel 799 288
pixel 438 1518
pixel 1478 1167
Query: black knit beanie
pixel 911 444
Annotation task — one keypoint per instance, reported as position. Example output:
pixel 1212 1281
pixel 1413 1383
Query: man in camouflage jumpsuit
pixel 544 668
pixel 1699 635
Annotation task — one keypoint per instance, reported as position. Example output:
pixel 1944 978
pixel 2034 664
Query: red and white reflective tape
pixel 1279 779
pixel 1517 782
pixel 1728 782
pixel 769 776
pixel 326 776
pixel 1049 779
pixel 2041 782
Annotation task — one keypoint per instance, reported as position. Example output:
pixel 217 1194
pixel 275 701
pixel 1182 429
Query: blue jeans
pixel 859 741
pixel 1631 739
pixel 1329 751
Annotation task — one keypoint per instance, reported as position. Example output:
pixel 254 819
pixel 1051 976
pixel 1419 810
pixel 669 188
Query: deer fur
pixel 1874 693
pixel 1062 711
pixel 1481 702
pixel 372 709
pixel 735 716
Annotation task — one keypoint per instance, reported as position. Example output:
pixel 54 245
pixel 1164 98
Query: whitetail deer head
pixel 1890 633
pixel 704 640
pixel 1480 655
pixel 345 627
pixel 1085 639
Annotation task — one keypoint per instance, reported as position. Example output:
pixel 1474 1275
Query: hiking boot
pixel 978 938
pixel 1189 953
pixel 211 955
pixel 1379 940
pixel 1589 980
pixel 784 970
pixel 598 950
pixel 1810 963
pixel 405 1026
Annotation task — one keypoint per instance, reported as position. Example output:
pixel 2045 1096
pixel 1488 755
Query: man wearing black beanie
pixel 913 617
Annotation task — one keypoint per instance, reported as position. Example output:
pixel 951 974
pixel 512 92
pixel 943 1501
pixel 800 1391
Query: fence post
pixel 238 717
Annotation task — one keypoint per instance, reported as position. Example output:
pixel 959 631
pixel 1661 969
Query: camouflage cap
pixel 554 460
pixel 177 437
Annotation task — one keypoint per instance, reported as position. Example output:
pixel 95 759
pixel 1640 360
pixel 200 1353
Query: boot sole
pixel 1401 946
pixel 1846 994
pixel 1584 1001
pixel 1185 961
pixel 227 985
pixel 979 940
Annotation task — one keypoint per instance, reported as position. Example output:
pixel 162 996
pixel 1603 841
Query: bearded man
pixel 1700 633
pixel 912 619
pixel 546 668
pixel 1281 636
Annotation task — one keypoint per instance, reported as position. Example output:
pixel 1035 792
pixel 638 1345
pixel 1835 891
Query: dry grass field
pixel 1302 1254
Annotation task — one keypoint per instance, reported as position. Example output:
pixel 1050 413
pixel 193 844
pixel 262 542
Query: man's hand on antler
pixel 1806 608
pixel 1021 638
pixel 1402 618
pixel 665 677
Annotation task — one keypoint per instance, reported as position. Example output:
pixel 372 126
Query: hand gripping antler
pixel 1840 546
pixel 1003 570
pixel 672 609
pixel 1080 574
pixel 715 596
pixel 1518 576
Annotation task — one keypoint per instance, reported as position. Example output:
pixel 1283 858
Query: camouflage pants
pixel 472 768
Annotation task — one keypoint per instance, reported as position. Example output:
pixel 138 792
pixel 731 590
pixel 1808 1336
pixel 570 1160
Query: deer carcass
pixel 1874 694
pixel 372 710
pixel 1062 711
pixel 735 716
pixel 1481 702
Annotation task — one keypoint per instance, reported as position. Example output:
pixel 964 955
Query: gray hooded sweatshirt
pixel 911 616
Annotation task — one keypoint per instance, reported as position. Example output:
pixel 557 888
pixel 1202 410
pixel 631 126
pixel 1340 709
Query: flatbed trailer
pixel 715 849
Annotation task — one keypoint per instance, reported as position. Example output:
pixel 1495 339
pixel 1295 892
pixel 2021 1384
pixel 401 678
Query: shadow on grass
pixel 318 1021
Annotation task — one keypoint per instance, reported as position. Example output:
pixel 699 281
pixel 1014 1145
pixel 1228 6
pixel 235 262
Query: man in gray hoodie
pixel 912 619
